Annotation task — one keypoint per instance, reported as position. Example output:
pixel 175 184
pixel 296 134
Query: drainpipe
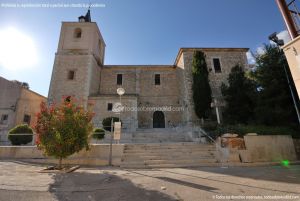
pixel 287 18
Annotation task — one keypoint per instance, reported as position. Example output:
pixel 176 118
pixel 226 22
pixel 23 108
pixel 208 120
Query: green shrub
pixel 106 123
pixel 99 133
pixel 17 138
pixel 241 130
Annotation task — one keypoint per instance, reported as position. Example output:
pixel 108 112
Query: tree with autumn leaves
pixel 63 130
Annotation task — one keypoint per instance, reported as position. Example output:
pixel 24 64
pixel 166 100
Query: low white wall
pixel 96 155
pixel 270 148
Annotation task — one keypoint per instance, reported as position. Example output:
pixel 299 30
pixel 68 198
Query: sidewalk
pixel 22 182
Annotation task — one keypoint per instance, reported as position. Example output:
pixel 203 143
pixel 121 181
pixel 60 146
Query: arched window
pixel 77 33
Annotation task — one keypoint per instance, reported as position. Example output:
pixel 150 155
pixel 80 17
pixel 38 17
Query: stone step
pixel 184 154
pixel 165 145
pixel 157 134
pixel 168 165
pixel 171 144
pixel 172 161
pixel 143 166
pixel 179 159
pixel 173 148
pixel 159 138
pixel 168 152
pixel 138 130
pixel 166 139
pixel 157 141
pixel 171 155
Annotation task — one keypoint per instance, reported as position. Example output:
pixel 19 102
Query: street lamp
pixel 216 105
pixel 120 92
pixel 117 108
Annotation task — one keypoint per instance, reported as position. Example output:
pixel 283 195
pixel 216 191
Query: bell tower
pixel 78 61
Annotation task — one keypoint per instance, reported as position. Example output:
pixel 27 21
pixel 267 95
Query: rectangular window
pixel 109 107
pixel 27 119
pixel 119 79
pixel 71 75
pixel 157 79
pixel 217 65
pixel 4 118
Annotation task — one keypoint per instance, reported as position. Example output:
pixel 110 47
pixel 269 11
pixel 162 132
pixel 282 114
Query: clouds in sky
pixel 250 57
pixel 283 35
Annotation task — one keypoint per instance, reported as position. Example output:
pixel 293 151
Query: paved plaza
pixel 22 182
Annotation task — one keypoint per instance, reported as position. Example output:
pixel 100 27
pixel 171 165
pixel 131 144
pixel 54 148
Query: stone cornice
pixel 208 49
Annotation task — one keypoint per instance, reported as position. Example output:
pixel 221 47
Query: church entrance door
pixel 158 119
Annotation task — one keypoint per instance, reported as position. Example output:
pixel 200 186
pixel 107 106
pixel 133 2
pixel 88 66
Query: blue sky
pixel 140 31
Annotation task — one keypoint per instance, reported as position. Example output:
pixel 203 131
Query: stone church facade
pixel 155 95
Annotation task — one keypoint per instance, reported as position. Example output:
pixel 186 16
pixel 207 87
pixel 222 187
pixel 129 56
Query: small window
pixel 109 107
pixel 71 75
pixel 4 118
pixel 27 119
pixel 217 65
pixel 157 79
pixel 77 33
pixel 119 79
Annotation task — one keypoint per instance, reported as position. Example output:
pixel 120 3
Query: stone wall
pixel 84 55
pixel 256 148
pixel 108 80
pixel 155 97
pixel 91 41
pixel 297 147
pixel 61 86
pixel 16 101
pixel 97 155
pixel 29 104
pixel 10 93
pixel 229 57
pixel 128 117
pixel 139 81
pixel 270 148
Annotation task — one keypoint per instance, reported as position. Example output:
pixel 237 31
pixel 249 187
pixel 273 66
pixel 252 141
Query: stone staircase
pixel 154 135
pixel 158 135
pixel 164 155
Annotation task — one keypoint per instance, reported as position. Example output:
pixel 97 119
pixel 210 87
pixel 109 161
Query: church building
pixel 156 96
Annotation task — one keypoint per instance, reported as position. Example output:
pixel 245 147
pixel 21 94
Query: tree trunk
pixel 60 163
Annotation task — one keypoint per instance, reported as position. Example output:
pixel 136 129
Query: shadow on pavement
pixel 178 181
pixel 271 173
pixel 83 186
pixel 188 184
pixel 289 174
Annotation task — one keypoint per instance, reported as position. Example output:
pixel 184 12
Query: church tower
pixel 78 61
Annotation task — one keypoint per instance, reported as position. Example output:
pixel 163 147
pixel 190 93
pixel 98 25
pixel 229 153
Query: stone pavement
pixel 22 182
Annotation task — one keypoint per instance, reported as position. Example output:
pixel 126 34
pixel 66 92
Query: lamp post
pixel 215 104
pixel 120 92
pixel 117 108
